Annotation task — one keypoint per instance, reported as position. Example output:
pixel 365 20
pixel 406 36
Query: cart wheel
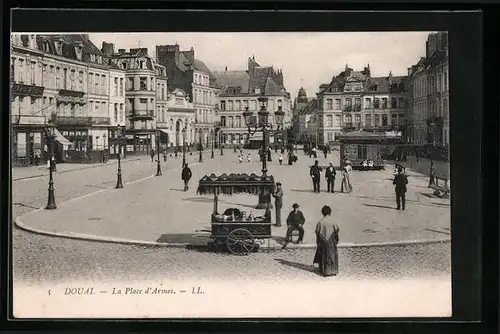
pixel 240 242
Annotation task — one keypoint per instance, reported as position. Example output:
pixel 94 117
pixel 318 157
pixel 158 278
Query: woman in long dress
pixel 327 238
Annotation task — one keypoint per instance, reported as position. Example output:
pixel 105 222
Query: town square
pixel 159 165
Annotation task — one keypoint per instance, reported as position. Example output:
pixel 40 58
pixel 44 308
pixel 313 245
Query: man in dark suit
pixel 186 176
pixel 294 221
pixel 330 174
pixel 400 181
pixel 315 173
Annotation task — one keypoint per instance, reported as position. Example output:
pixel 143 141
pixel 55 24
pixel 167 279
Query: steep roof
pixel 226 79
pixel 259 77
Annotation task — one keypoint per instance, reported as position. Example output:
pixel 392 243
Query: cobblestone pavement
pixel 42 259
pixel 158 210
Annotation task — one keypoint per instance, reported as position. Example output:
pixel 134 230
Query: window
pixel 368 103
pixel 238 122
pixel 394 102
pixel 384 120
pixel 115 87
pixel 384 103
pixel 230 121
pixel 376 103
pixel 97 81
pixel 222 105
pixel 223 121
pixel 348 119
pixel 245 104
pixel 33 73
pixel 348 102
pixel 329 136
pixel 229 105
pixel 358 119
pixel 357 102
pixel 238 105
pixel 143 83
pixel 338 104
pixel 58 74
pixel 394 119
pixel 377 120
pixel 337 120
pixel 401 102
pixel 368 120
pixel 121 87
pixel 116 113
pixel 445 81
pixel 329 121
pixel 329 104
pixel 130 82
pixel 122 114
pixel 253 105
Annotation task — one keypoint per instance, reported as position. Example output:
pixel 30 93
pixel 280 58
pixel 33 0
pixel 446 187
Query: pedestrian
pixel 269 155
pixel 330 174
pixel 325 151
pixel 282 149
pixel 53 164
pixel 346 177
pixel 400 181
pixel 240 159
pixel 432 173
pixel 294 222
pixel 278 202
pixel 186 176
pixel 365 165
pixel 315 173
pixel 275 148
pixel 315 155
pixel 290 158
pixel 234 148
pixel 280 159
pixel 152 154
pixel 327 238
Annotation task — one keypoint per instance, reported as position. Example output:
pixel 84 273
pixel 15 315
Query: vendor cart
pixel 239 231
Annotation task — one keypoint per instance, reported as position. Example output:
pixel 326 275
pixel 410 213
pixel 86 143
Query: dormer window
pixel 257 90
pixel 92 57
pixel 124 65
pixel 375 88
pixel 141 64
pixel 79 51
pixel 230 90
pixel 238 90
pixel 59 46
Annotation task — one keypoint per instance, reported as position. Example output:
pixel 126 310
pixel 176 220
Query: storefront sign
pixel 27 90
pixel 32 120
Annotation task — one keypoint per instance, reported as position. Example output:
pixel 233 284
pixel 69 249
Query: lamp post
pixel 51 200
pixel 119 183
pixel 212 140
pixel 263 125
pixel 158 166
pixel 200 148
pixel 220 143
pixel 184 146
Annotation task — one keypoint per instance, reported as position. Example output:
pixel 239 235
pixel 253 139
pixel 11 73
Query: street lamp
pixel 263 125
pixel 220 142
pixel 200 148
pixel 184 130
pixel 212 139
pixel 119 135
pixel 158 166
pixel 51 200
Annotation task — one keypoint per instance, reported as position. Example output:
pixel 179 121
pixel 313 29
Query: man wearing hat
pixel 295 221
pixel 278 202
pixel 330 174
pixel 315 173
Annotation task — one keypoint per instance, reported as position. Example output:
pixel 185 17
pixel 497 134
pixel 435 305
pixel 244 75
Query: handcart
pixel 239 231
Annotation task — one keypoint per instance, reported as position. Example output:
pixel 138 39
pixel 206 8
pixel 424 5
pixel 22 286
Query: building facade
pixel 140 96
pixel 239 91
pixel 428 107
pixel 193 77
pixel 356 100
pixel 61 80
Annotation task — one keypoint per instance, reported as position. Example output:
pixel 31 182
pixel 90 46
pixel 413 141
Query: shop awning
pixel 61 139
pixel 164 131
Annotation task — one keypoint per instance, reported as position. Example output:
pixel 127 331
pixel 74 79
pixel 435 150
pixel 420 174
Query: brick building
pixel 240 89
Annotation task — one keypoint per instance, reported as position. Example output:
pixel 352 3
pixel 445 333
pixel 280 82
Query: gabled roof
pixel 226 79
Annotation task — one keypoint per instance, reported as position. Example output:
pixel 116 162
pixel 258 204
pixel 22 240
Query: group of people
pixel 330 175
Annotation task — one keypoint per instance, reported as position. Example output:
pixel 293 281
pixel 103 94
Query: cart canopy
pixel 229 184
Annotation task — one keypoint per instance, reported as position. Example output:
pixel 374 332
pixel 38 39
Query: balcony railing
pixel 78 120
pixel 28 120
pixel 357 107
pixel 70 99
pixel 142 114
pixel 71 92
pixel 20 89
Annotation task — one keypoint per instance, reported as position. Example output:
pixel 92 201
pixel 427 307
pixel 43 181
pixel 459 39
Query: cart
pixel 237 230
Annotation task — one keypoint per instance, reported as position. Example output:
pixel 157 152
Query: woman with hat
pixel 327 238
pixel 295 221
pixel 346 180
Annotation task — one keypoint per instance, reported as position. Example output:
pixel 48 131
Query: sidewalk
pixel 157 211
pixel 21 173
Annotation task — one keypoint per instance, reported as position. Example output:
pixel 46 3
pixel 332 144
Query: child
pixel 280 159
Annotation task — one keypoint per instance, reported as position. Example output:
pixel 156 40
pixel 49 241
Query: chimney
pixel 226 68
pixel 190 55
pixel 108 48
pixel 251 64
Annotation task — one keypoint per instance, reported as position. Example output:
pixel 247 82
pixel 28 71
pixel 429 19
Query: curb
pixel 94 238
pixel 71 170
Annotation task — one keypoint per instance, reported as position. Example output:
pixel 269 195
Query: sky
pixel 307 59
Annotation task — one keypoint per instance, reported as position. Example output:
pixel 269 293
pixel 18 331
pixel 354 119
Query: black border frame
pixel 466 78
